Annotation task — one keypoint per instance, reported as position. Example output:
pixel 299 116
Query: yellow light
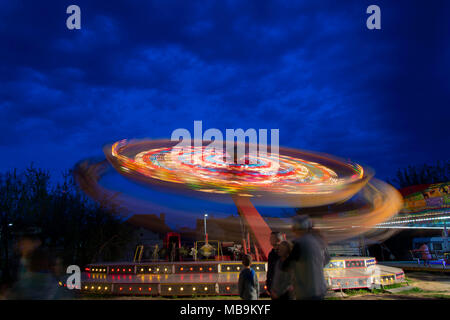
pixel 92 287
pixel 181 289
pixel 142 269
pixel 99 288
pixel 193 288
pixel 206 288
pixel 106 288
pixel 165 269
pixel 228 268
pixel 157 269
pixel 86 287
pixel 170 289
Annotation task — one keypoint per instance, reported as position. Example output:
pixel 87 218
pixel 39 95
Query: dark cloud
pixel 144 68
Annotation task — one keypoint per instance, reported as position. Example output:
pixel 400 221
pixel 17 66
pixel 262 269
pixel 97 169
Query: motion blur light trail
pixel 294 179
pixel 298 178
pixel 377 202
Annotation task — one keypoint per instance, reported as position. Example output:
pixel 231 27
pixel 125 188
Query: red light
pixel 130 288
pixel 228 288
pixel 112 270
pixel 149 289
pixel 140 289
pixel 265 287
pixel 210 269
pixel 87 269
pixel 190 269
pixel 201 268
pixel 181 268
pixel 123 270
pixel 129 269
pixel 120 288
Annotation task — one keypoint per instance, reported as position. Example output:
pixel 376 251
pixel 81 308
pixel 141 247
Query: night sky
pixel 140 69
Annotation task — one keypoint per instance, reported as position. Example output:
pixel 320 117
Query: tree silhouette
pixel 69 224
pixel 423 174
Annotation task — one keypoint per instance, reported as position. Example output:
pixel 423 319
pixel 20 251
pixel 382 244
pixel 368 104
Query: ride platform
pixel 220 277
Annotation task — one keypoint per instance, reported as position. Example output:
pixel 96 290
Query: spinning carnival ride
pixel 290 178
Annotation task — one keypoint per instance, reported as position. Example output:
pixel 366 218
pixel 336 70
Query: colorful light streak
pixel 295 179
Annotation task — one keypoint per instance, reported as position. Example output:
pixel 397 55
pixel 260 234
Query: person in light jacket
pixel 282 284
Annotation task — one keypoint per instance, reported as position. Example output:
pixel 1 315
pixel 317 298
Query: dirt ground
pixel 424 286
pixel 429 281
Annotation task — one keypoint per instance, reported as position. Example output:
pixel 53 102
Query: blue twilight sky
pixel 140 69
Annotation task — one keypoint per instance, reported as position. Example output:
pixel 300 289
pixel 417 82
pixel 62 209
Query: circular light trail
pixel 290 175
pixel 292 178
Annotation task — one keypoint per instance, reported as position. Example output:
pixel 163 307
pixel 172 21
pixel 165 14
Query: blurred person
pixel 282 284
pixel 173 252
pixel 35 279
pixel 60 275
pixel 155 254
pixel 425 254
pixel 275 239
pixel 308 257
pixel 248 280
